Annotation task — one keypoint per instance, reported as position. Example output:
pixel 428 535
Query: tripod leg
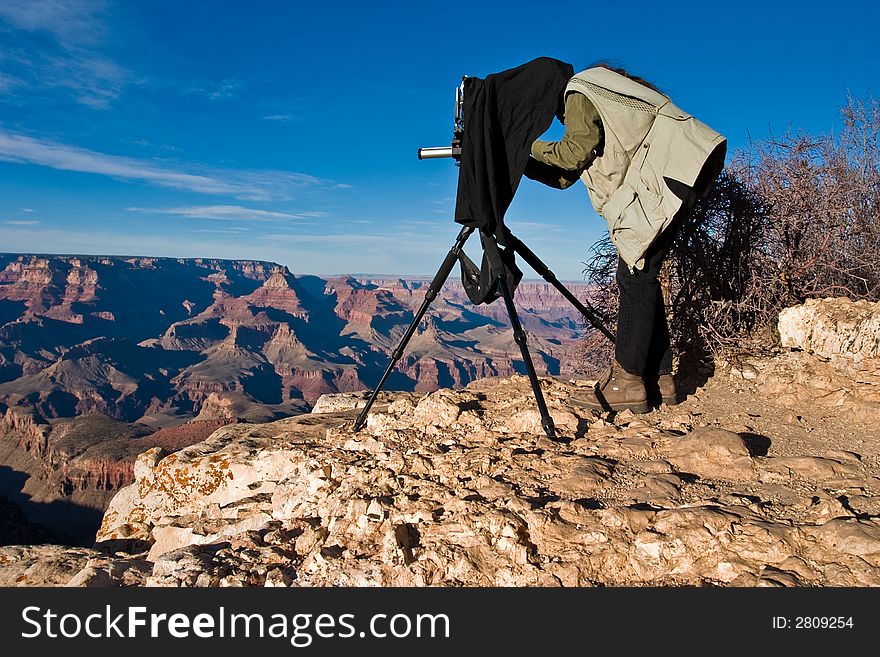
pixel 439 279
pixel 520 336
pixel 543 271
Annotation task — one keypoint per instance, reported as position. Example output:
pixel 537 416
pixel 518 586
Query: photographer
pixel 645 163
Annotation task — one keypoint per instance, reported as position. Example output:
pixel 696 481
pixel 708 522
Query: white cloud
pixel 92 80
pixel 222 90
pixel 21 222
pixel 8 82
pixel 72 22
pixel 273 184
pixel 70 59
pixel 223 212
pixel 27 209
pixel 247 185
pixel 226 89
pixel 279 117
pixel 19 148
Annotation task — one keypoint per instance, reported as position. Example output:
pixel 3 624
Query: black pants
pixel 642 345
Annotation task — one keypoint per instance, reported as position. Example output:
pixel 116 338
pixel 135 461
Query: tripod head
pixel 454 149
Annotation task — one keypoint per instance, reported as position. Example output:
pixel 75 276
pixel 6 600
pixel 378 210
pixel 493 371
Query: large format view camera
pixel 454 149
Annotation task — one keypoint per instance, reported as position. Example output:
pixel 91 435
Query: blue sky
pixel 287 131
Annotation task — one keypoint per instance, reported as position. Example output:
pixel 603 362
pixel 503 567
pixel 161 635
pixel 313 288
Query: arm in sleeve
pixel 583 136
pixel 550 175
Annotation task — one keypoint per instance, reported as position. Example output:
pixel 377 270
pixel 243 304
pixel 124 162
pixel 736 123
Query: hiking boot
pixel 661 390
pixel 617 390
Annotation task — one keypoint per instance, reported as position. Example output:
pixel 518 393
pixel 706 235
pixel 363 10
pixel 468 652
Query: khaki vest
pixel 647 139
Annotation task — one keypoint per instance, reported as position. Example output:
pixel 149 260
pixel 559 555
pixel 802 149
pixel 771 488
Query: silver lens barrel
pixel 435 152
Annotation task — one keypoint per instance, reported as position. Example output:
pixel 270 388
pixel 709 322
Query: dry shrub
pixel 596 351
pixel 824 199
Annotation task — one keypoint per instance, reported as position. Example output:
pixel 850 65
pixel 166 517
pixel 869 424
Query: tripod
pixel 519 334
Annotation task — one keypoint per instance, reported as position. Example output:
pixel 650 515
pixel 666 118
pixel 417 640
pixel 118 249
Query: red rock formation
pixel 243 338
pixel 277 292
pixel 26 429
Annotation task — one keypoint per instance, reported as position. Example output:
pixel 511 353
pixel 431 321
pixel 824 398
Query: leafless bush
pixel 596 351
pixel 823 195
pixel 791 218
pixel 711 269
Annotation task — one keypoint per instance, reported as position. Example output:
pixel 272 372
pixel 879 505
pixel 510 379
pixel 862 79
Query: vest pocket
pixel 649 188
pixel 628 226
pixel 617 205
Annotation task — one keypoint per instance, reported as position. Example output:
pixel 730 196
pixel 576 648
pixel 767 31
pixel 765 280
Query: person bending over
pixel 645 162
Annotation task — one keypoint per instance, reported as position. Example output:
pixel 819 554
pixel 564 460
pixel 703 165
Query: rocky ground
pixel 767 474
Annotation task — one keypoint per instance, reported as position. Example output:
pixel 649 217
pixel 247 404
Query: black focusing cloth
pixel 503 114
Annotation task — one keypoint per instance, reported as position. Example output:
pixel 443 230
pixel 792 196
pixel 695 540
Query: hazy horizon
pixel 453 277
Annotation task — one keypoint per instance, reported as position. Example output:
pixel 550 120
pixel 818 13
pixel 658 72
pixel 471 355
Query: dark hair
pixel 626 74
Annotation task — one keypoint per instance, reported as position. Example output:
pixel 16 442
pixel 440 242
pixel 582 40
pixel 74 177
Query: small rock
pixel 90 577
pixel 744 370
pixel 844 456
pixel 833 327
pixel 337 402
pixel 436 410
pixel 864 505
pixel 822 508
pixel 809 467
pixel 277 577
pixel 168 538
pixel 850 536
pixel 713 453
pixel 653 467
